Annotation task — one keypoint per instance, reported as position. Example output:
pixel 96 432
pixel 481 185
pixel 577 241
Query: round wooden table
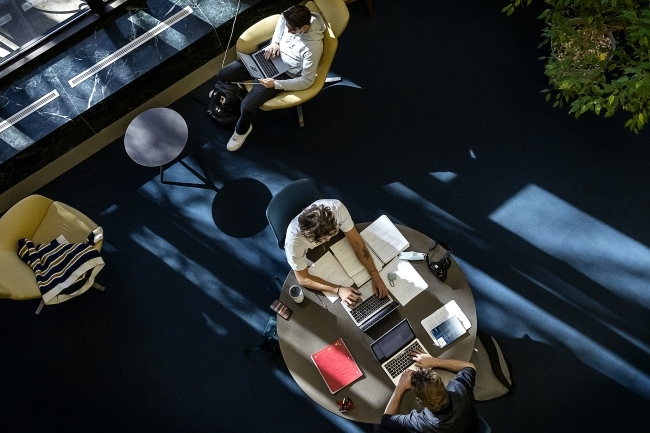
pixel 312 327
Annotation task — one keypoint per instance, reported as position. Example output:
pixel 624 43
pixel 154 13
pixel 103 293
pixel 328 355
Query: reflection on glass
pixel 25 21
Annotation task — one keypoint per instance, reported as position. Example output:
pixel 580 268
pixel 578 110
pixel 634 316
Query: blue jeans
pixel 236 71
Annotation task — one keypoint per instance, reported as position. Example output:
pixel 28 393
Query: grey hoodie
pixel 301 52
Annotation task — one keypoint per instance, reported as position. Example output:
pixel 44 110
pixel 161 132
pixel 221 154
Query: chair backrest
pixel 482 426
pixel 335 13
pixel 288 203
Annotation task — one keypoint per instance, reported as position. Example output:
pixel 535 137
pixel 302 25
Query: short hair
pixel 429 389
pixel 317 222
pixel 297 16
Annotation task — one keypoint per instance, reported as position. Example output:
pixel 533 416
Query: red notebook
pixel 336 365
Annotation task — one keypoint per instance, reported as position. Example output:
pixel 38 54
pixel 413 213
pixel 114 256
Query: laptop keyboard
pixel 379 316
pixel 367 307
pixel 267 66
pixel 401 362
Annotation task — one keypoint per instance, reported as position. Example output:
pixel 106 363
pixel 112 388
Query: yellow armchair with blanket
pixel 41 220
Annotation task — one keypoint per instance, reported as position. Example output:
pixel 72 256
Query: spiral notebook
pixel 336 365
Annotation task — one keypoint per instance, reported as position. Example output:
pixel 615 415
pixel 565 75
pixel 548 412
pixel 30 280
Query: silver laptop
pixel 392 350
pixel 259 67
pixel 371 309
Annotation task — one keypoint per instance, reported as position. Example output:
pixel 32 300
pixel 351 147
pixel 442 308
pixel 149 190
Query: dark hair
pixel 316 222
pixel 297 16
pixel 429 389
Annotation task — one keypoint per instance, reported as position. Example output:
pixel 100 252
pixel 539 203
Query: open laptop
pixel 392 350
pixel 259 67
pixel 371 309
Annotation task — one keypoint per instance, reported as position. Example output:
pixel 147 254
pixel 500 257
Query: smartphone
pixel 281 309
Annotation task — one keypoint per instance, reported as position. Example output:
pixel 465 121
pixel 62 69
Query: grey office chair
pixel 288 203
pixel 482 426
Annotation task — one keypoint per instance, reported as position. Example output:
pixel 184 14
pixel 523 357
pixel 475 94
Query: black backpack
pixel 225 103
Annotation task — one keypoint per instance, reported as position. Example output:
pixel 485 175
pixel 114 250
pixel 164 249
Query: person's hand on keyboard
pixel 378 285
pixel 422 359
pixel 272 51
pixel 349 295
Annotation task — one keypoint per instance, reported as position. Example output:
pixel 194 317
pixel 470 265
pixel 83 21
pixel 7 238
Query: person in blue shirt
pixel 446 409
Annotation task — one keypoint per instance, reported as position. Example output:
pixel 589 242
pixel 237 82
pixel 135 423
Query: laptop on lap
pixel 392 350
pixel 259 67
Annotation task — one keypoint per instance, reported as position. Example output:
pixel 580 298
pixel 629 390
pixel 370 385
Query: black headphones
pixel 439 267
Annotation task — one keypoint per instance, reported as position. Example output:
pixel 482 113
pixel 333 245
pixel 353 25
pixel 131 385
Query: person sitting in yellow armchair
pixel 298 40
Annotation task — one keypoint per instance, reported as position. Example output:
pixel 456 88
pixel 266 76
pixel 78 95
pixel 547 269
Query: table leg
pixel 207 184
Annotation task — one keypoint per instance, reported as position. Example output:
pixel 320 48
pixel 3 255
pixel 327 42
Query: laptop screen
pixel 393 341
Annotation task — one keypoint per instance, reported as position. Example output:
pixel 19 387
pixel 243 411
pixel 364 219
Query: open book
pixel 384 240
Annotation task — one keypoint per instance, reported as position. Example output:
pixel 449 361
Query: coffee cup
pixel 296 294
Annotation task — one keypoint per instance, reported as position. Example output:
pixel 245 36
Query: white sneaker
pixel 236 141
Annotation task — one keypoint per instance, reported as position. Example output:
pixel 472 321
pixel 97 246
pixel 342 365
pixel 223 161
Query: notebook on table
pixel 442 320
pixel 448 331
pixel 392 350
pixel 336 365
pixel 260 67
pixel 371 309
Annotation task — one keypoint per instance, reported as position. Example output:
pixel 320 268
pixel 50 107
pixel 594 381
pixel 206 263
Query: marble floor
pixel 56 106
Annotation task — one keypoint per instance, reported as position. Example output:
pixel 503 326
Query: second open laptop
pixel 260 67
pixel 371 309
pixel 392 350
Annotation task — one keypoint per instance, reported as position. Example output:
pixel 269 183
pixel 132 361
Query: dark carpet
pixel 547 215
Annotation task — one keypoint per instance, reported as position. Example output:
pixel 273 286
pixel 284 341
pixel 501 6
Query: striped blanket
pixel 63 270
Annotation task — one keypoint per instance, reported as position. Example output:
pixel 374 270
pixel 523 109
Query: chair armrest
pixel 292 98
pixel 17 280
pixel 22 221
pixel 256 34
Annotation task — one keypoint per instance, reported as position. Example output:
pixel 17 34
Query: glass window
pixel 24 22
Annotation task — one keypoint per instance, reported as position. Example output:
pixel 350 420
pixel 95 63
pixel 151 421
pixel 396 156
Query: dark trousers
pixel 236 71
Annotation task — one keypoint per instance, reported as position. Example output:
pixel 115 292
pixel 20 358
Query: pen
pixel 321 301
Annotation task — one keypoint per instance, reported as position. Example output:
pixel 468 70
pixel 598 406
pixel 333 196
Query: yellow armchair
pixel 336 15
pixel 41 220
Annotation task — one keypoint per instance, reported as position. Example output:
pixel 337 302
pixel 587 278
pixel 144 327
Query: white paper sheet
pixel 408 284
pixel 329 269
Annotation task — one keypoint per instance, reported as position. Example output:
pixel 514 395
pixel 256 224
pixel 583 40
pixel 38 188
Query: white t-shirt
pixel 296 245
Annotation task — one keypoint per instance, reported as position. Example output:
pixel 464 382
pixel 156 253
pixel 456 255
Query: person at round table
pixel 315 225
pixel 447 409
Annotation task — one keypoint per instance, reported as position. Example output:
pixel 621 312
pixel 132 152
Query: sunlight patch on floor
pixel 229 298
pixel 517 317
pixel 444 176
pixel 598 251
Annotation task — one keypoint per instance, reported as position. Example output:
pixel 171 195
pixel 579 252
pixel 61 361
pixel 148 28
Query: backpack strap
pixel 495 360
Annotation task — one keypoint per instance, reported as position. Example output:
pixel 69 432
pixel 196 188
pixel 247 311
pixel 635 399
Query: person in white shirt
pixel 316 225
pixel 298 40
